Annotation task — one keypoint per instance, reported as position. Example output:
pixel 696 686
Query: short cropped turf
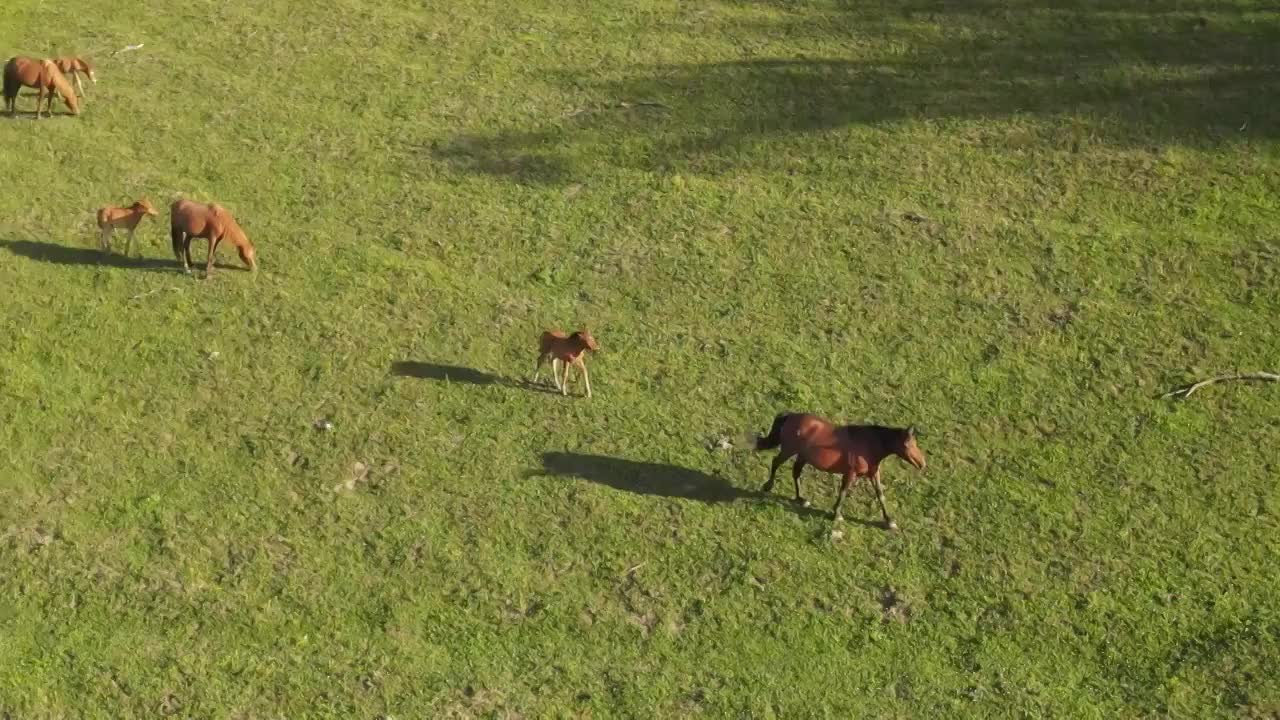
pixel 329 491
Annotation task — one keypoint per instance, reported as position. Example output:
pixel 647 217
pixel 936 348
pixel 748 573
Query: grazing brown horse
pixel 73 67
pixel 44 76
pixel 566 349
pixel 851 451
pixel 110 218
pixel 189 220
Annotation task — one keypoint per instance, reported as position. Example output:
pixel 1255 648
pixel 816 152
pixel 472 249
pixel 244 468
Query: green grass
pixel 432 185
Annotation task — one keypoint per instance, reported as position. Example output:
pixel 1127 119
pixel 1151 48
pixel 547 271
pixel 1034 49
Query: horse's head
pixel 87 67
pixel 145 207
pixel 906 447
pixel 249 256
pixel 584 336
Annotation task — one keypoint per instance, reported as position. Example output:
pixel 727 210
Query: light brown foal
pixel 110 218
pixel 73 67
pixel 568 350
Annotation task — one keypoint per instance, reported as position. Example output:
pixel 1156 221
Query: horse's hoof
pixel 838 518
pixel 891 525
pixel 802 503
pixel 766 488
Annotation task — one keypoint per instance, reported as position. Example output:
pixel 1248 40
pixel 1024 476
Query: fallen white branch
pixel 1185 392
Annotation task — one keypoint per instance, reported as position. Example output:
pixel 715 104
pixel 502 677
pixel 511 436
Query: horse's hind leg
pixel 537 367
pixel 782 457
pixel 105 239
pixel 888 521
pixel 564 375
pixel 795 477
pixel 179 244
pixel 845 484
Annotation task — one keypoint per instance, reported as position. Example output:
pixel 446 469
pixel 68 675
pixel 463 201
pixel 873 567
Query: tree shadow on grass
pixel 93 257
pixel 459 374
pixel 1127 74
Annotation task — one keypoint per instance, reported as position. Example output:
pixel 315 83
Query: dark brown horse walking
pixel 851 451
pixel 44 76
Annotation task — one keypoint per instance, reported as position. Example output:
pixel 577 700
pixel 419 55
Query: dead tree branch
pixel 1185 391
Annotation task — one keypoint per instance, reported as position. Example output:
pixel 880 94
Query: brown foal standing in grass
pixel 44 76
pixel 110 218
pixel 189 220
pixel 851 451
pixel 567 350
pixel 73 67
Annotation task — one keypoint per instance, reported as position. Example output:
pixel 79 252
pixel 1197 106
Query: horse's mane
pixel 888 437
pixel 60 82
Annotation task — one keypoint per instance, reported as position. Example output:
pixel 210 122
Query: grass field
pixel 1012 224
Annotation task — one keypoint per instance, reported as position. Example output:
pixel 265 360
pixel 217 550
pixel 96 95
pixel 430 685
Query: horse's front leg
pixel 79 86
pixel 128 246
pixel 875 483
pixel 40 100
pixel 104 238
pixel 585 377
pixel 208 265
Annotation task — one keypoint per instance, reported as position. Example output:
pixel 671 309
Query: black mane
pixel 889 437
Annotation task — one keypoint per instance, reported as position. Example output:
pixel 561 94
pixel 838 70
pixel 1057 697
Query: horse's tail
pixel 774 438
pixel 11 82
pixel 756 441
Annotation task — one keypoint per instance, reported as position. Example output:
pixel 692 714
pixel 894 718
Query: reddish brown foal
pixel 567 349
pixel 851 451
pixel 189 220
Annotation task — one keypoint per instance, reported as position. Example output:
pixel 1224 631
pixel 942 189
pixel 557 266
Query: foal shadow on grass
pixel 72 255
pixel 459 374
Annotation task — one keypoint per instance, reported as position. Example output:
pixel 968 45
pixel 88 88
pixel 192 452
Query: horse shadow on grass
pixel 654 479
pixel 72 255
pixel 460 374
pixel 20 114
